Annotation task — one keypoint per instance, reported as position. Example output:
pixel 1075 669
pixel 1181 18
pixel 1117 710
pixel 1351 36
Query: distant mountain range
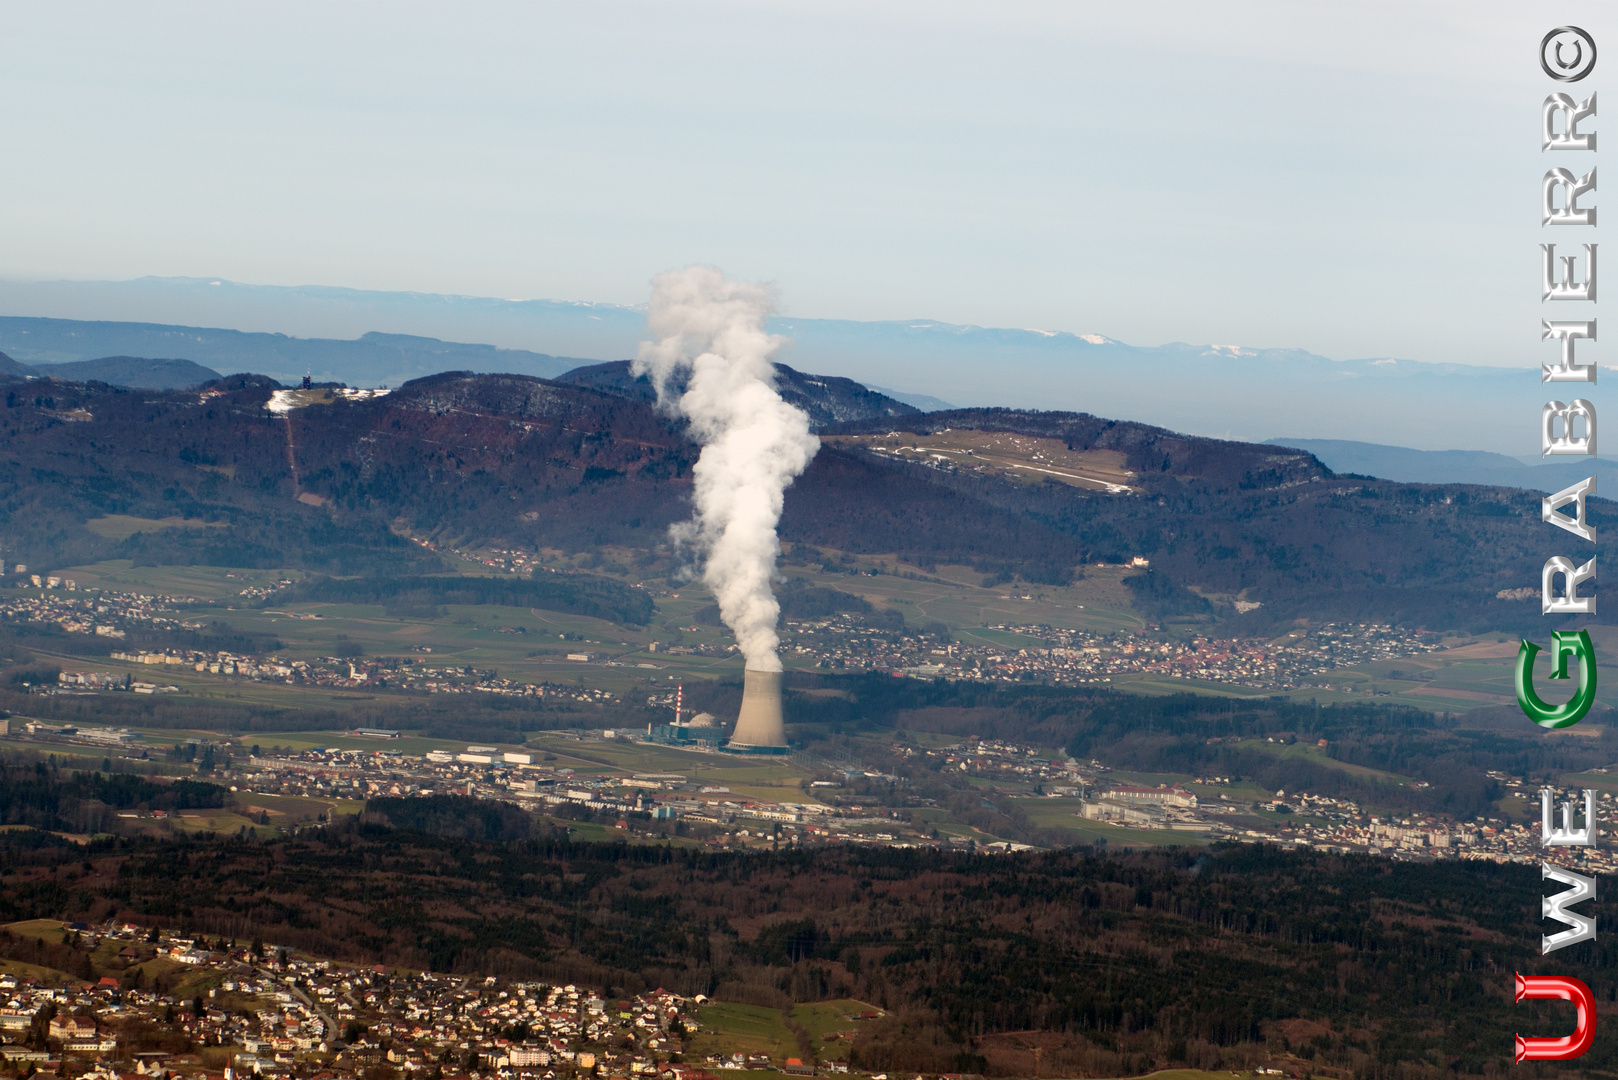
pixel 1229 391
pixel 138 371
pixel 133 371
pixel 827 399
pixel 373 359
pixel 376 358
pixel 1454 466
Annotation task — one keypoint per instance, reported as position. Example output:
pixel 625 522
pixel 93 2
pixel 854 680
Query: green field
pixel 754 1029
pixel 586 831
pixel 1600 780
pixel 462 635
pixel 1319 756
pixel 47 976
pixel 1469 673
pixel 50 930
pixel 948 826
pixel 748 1029
pixel 122 526
pixel 1096 602
pixel 824 1020
pixel 1145 779
pixel 203 582
pixel 1063 814
pixel 82 757
pixel 1240 792
pixel 744 776
pixel 470 634
pixel 1154 684
pixel 1477 674
pixel 1515 808
pixel 281 809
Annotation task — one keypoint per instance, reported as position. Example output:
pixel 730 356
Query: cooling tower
pixel 758 725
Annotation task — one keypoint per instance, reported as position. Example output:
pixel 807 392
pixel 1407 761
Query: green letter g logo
pixel 1568 643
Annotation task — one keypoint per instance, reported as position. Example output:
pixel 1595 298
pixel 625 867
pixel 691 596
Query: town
pixel 103 613
pixel 173 1004
pixel 843 642
pixel 836 804
pixel 1075 657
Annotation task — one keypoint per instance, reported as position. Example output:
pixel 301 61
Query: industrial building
pixel 759 726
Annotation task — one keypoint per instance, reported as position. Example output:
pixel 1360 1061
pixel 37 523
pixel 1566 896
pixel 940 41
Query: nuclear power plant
pixel 759 728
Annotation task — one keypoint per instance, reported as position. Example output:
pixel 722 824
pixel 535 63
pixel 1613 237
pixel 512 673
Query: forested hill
pixel 368 360
pixel 137 371
pixel 1149 451
pixel 826 398
pixel 528 461
pixel 1263 523
pixel 1111 965
pixel 154 374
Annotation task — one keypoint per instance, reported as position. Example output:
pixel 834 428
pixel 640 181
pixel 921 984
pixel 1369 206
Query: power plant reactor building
pixel 759 727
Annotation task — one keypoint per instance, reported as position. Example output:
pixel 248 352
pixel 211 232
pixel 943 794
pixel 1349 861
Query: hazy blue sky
pixel 1358 179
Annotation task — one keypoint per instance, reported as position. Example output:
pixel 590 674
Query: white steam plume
pixel 753 443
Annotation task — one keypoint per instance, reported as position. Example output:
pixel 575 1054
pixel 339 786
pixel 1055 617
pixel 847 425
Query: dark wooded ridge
pixel 1115 965
pixel 527 462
